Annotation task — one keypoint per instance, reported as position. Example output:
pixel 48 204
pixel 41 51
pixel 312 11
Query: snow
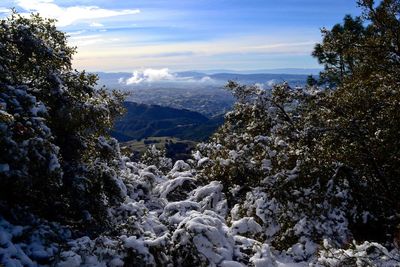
pixel 245 225
pixel 202 161
pixel 54 163
pixel 171 185
pixel 69 259
pixel 226 263
pixel 263 257
pixel 208 234
pixel 180 166
pixel 176 212
pixel 199 224
pixel 177 215
pixel 137 244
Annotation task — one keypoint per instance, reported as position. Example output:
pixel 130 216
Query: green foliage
pixel 311 81
pixel 362 45
pixel 253 142
pixel 30 170
pixel 156 157
pixel 35 58
pixel 315 151
pixel 339 51
pixel 360 118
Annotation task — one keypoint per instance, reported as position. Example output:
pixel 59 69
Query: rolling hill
pixel 142 121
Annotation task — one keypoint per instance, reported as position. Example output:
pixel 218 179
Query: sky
pixel 128 35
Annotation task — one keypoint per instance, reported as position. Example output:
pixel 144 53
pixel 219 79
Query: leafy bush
pixel 53 154
pixel 322 154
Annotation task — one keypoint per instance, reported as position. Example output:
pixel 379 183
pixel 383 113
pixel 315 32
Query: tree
pixel 57 114
pixel 360 118
pixel 324 153
pixel 339 50
pixel 311 81
pixel 361 45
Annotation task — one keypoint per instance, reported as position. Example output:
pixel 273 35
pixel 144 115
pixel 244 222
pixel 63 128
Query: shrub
pixel 55 153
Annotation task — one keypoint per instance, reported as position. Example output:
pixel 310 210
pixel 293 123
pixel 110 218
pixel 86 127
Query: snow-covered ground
pixel 173 220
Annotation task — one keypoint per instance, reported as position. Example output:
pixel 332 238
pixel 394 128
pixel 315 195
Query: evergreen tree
pixel 330 153
pixel 311 81
pixel 55 152
pixel 360 121
pixel 339 51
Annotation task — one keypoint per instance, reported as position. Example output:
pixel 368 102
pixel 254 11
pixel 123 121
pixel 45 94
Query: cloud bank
pixel 4 10
pixel 69 15
pixel 96 24
pixel 150 75
pixel 162 75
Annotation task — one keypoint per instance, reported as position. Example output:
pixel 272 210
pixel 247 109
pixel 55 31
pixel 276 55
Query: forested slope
pixel 141 121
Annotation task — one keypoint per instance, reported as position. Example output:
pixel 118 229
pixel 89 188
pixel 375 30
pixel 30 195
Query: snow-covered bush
pixel 156 157
pixel 29 160
pixel 365 254
pixel 325 158
pixel 53 154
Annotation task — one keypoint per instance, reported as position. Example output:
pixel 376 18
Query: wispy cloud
pixel 249 52
pixel 4 10
pixel 243 45
pixel 96 24
pixel 76 32
pixel 85 40
pixel 69 15
pixel 186 35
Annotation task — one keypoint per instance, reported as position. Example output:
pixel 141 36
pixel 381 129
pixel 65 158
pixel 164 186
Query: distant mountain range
pixel 301 71
pixel 142 121
pixel 214 78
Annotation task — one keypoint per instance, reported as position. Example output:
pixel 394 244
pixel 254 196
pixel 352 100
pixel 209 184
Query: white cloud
pixel 69 15
pixel 207 79
pixel 80 41
pixel 75 33
pixel 96 24
pixel 4 10
pixel 163 75
pixel 150 75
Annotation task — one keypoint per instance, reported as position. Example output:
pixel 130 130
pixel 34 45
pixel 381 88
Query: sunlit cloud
pixel 4 10
pixel 207 79
pixel 88 40
pixel 127 35
pixel 162 75
pixel 150 75
pixel 69 15
pixel 96 24
pixel 76 32
pixel 123 56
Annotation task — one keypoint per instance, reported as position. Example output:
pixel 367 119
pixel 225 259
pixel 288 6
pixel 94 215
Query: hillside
pixel 141 121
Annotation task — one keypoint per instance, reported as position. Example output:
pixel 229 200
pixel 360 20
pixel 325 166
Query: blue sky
pixel 127 35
